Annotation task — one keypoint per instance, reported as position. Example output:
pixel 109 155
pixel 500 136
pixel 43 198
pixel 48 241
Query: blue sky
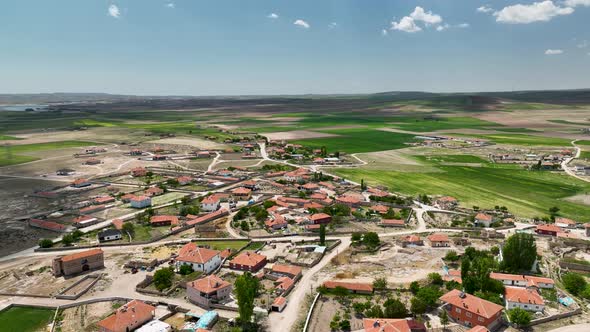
pixel 223 47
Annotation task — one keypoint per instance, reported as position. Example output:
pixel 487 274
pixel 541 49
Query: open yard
pixel 25 319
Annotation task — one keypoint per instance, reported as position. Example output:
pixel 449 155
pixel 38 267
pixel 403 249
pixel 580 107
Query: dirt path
pixel 566 161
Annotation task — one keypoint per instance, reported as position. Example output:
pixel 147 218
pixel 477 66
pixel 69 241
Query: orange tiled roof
pixel 320 216
pixel 437 237
pixel 127 316
pixel 286 269
pixel 209 284
pixel 483 216
pixel 248 259
pixel 82 254
pixel 190 252
pixel 392 325
pixel 523 295
pixel 472 303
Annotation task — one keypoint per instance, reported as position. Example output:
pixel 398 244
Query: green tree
pixel 45 243
pixel 452 256
pixel 246 287
pixel 128 228
pixel 335 322
pixel 394 308
pixel 67 240
pixel 374 312
pixel 163 278
pixel 429 295
pixel 519 253
pixel 418 306
pixel 268 204
pixel 371 240
pixel 245 226
pixel 574 283
pixel 519 316
pixel 356 237
pixel 185 269
pixel 322 235
pixel 414 287
pixel 435 279
pixel 380 283
pixel 77 234
pixel 345 325
pixel 444 319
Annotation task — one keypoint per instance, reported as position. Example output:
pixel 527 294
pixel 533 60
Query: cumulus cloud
pixel 171 5
pixel 332 25
pixel 442 27
pixel 583 44
pixel 410 23
pixel 484 9
pixel 114 11
pixel 575 3
pixel 553 52
pixel 273 16
pixel 302 24
pixel 536 12
pixel 463 25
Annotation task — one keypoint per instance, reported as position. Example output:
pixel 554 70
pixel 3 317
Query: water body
pixel 22 107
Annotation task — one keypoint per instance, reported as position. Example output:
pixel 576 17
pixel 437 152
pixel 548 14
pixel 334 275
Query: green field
pixel 25 319
pixel 585 155
pixel 6 138
pixel 13 154
pixel 525 193
pixel 521 139
pixel 221 244
pixel 359 140
pixel 441 123
pixel 452 158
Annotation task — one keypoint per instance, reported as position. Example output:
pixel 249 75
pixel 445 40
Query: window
pixel 468 314
pixel 480 319
pixel 458 310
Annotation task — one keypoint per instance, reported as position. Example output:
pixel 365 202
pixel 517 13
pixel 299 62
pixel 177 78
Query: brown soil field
pixel 83 317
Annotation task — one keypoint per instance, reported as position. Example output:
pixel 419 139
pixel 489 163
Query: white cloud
pixel 333 25
pixel 114 11
pixel 410 23
pixel 463 25
pixel 583 44
pixel 442 27
pixel 170 5
pixel 484 9
pixel 575 3
pixel 273 16
pixel 553 52
pixel 535 12
pixel 384 32
pixel 427 17
pixel 302 24
pixel 406 24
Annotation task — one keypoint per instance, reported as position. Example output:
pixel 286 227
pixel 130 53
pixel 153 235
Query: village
pixel 178 239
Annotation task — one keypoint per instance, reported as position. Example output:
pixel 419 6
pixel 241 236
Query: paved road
pixel 566 161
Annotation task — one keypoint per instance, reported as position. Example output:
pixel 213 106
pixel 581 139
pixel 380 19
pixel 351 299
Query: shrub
pixel 574 283
pixel 45 243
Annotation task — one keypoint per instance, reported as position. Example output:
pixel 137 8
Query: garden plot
pixel 85 316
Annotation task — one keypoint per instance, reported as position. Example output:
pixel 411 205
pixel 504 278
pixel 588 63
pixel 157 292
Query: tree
pixel 553 211
pixel 322 235
pixel 414 287
pixel 268 204
pixel 394 308
pixel 356 237
pixel 189 209
pixel 380 283
pixel 363 185
pixel 67 240
pixel 245 226
pixel 371 240
pixel 77 234
pixel 444 319
pixel 45 243
pixel 418 306
pixel 185 269
pixel 374 312
pixel 246 287
pixel 435 279
pixel 452 256
pixel 574 283
pixel 335 322
pixel 429 295
pixel 519 253
pixel 128 228
pixel 163 278
pixel 519 316
pixel 340 292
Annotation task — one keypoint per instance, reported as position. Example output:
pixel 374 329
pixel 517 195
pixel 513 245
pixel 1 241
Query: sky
pixel 266 47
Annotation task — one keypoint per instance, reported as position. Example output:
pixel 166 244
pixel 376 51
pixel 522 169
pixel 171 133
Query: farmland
pixel 359 140
pixel 25 319
pixel 525 193
pixel 522 139
pixel 16 154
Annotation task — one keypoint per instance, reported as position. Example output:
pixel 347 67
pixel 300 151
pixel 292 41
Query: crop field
pixel 13 155
pixel 359 140
pixel 522 139
pixel 427 124
pixel 25 319
pixel 453 158
pixel 7 138
pixel 221 245
pixel 525 193
pixel 585 155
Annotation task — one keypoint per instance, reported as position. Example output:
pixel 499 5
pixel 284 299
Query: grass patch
pixel 521 139
pixel 452 158
pixel 221 244
pixel 582 142
pixel 585 155
pixel 359 140
pixel 514 130
pixel 13 154
pixel 25 319
pixel 254 246
pixel 525 193
pixel 437 123
pixel 7 138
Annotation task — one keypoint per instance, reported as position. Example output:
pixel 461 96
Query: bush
pixel 163 278
pixel 371 240
pixel 185 269
pixel 45 243
pixel 519 316
pixel 380 283
pixel 414 287
pixel 67 240
pixel 435 279
pixel 394 308
pixel 574 283
pixel 452 256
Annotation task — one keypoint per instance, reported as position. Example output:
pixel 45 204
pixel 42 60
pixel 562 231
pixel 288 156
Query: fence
pixel 62 295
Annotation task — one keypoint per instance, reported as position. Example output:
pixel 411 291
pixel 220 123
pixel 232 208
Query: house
pixel 470 310
pixel 291 271
pixel 154 191
pixel 118 223
pixel 439 240
pixel 140 202
pixel 155 326
pixel 525 298
pixel 379 208
pixel 250 184
pixel 103 200
pixel 242 193
pixel 184 180
pixel 128 317
pixel 200 259
pixel 163 220
pixel 483 219
pixel 127 198
pixel 210 203
pixel 348 200
pixel 276 221
pixel 548 230
pixel 279 304
pixel 446 202
pixel 48 225
pixel 353 287
pixel 248 261
pixel 79 183
pixel 79 262
pixel 377 192
pixel 565 222
pixel 84 221
pixel 297 175
pixel 138 171
pixel 320 218
pixel 210 289
pixel 203 154
pixel 135 152
pixel 91 161
pixel 523 280
pixel 284 285
pixel 393 223
pixel 109 235
pixel 412 240
pixel 453 275
pixel 208 217
pixel 478 328
pixel 392 325
pixel 309 187
pixel 313 205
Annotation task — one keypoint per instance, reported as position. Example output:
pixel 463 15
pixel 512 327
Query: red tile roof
pixel 207 217
pixel 549 228
pixel 472 303
pixel 248 258
pixel 284 283
pixel 479 328
pixel 212 199
pixel 320 216
pixel 397 222
pixel 82 254
pixel 523 295
pixel 279 301
pixel 48 224
pixel 190 252
pixel 392 325
pixel 128 316
pixel 160 219
pixel 437 237
pixel 412 238
pixel 287 269
pixel 241 191
pixel 118 223
pixel 209 284
pixel 566 221
pixel 483 216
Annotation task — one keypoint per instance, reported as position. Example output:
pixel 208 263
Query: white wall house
pixel 201 259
